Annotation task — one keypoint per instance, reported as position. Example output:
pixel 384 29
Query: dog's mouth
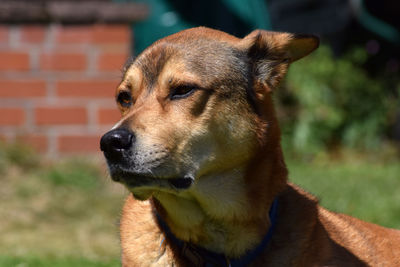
pixel 134 180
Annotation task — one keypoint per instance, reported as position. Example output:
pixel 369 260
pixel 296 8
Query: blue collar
pixel 198 256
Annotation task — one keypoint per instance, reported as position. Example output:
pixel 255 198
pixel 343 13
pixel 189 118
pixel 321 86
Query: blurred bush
pixel 329 102
pixel 17 154
pixel 75 173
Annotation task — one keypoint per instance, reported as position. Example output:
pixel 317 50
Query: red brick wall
pixel 57 84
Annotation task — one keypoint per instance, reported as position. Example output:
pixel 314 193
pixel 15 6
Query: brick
pixel 60 115
pixel 111 61
pixel 96 34
pixel 12 116
pixel 74 34
pixel 63 61
pixel 4 138
pixel 78 143
pixel 38 142
pixel 3 34
pixel 87 88
pixel 108 116
pixel 103 34
pixel 18 88
pixel 14 61
pixel 33 34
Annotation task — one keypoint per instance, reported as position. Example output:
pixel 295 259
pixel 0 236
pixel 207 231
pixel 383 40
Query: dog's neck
pixel 227 212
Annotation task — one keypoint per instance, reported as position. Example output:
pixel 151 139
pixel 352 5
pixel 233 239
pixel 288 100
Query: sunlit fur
pixel 225 135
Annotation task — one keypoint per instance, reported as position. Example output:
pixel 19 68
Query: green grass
pixel 65 213
pixel 62 213
pixel 56 262
pixel 365 189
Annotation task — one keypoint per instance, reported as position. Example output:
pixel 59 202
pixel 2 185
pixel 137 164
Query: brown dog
pixel 199 146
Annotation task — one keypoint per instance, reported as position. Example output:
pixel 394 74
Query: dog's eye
pixel 182 91
pixel 124 98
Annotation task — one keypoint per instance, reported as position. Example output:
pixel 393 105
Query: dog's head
pixel 197 103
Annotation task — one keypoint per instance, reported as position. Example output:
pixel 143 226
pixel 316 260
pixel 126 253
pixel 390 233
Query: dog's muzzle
pixel 117 146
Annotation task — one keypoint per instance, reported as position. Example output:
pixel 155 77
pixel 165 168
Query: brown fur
pixel 226 135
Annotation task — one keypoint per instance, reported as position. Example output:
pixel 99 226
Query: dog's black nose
pixel 116 141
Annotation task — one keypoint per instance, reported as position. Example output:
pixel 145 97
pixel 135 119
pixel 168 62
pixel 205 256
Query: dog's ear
pixel 270 54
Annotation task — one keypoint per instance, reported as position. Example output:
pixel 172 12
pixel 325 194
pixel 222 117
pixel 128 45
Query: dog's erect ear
pixel 270 53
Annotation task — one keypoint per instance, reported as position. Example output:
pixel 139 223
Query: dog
pixel 198 146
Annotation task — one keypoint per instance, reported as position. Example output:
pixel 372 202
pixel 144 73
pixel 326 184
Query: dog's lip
pixel 133 180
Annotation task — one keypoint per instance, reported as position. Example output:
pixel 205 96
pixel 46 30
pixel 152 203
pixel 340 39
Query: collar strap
pixel 201 257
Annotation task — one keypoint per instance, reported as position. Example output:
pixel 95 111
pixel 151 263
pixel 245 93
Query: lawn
pixel 57 214
pixel 366 189
pixel 65 213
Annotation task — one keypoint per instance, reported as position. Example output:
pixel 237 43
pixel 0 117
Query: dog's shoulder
pixel 317 236
pixel 371 243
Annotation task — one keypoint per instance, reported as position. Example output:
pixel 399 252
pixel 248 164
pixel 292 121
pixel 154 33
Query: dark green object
pixel 166 17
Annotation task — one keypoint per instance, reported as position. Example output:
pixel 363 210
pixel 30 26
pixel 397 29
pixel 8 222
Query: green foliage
pixel 18 154
pixel 74 173
pixel 329 102
pixel 69 173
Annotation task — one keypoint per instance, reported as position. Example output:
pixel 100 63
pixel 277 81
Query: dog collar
pixel 201 257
